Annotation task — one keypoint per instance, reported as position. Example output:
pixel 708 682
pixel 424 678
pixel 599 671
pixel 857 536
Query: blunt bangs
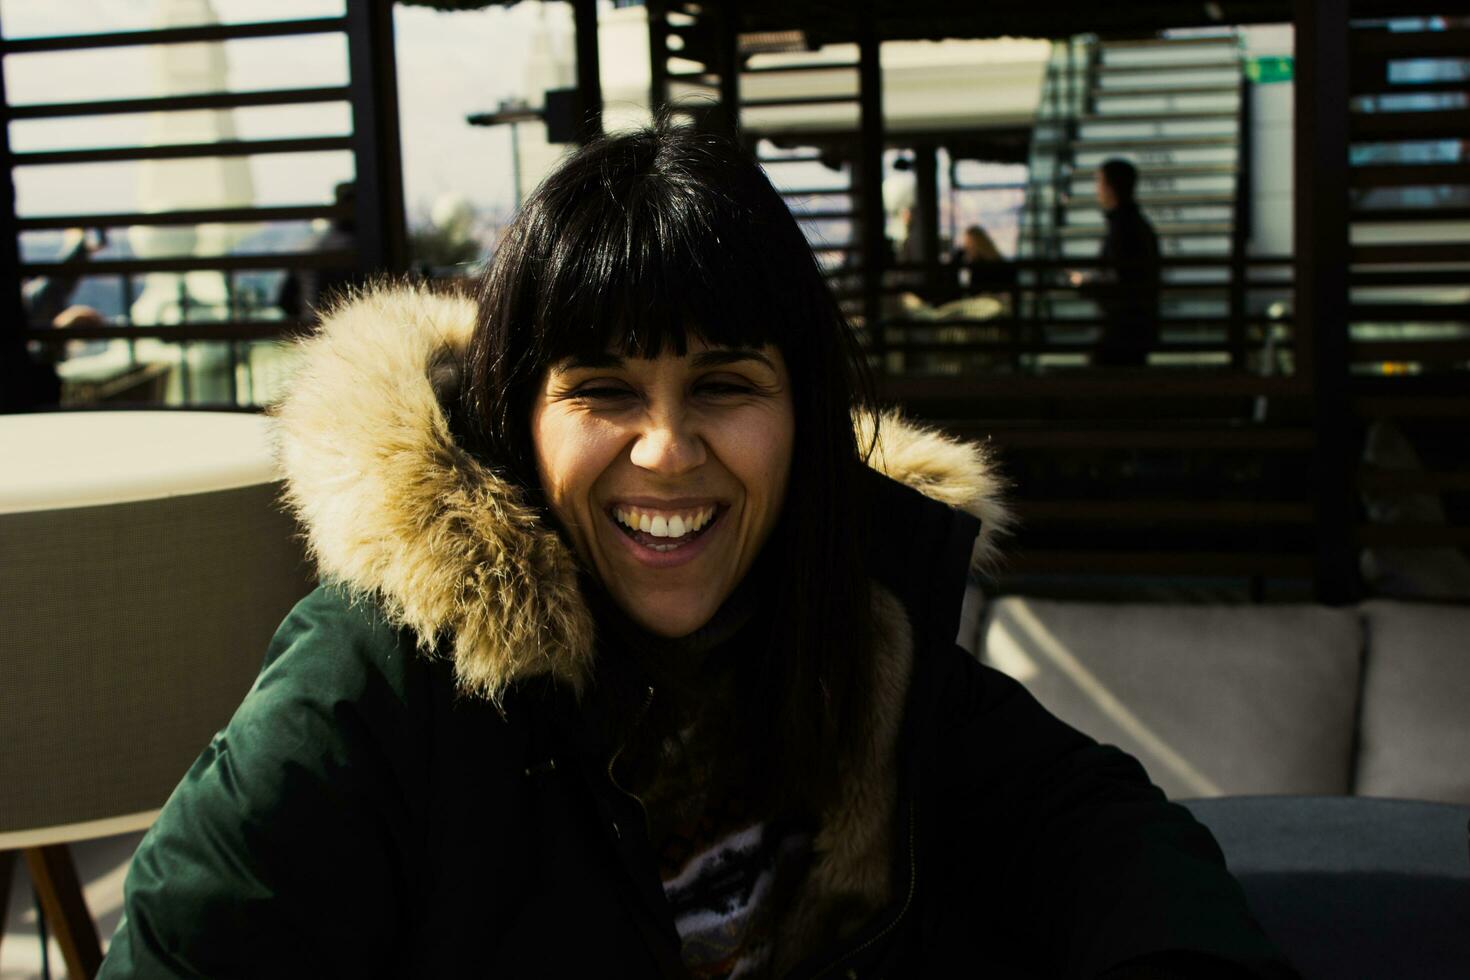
pixel 657 244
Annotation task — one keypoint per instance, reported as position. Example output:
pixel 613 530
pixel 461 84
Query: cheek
pixel 570 456
pixel 765 461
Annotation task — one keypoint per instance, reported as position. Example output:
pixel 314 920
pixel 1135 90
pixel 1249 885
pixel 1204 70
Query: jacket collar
pixel 395 511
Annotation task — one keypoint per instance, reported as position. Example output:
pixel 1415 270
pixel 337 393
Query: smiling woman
pixel 633 657
pixel 668 474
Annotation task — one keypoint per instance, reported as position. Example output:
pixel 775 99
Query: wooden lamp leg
pixel 7 874
pixel 55 878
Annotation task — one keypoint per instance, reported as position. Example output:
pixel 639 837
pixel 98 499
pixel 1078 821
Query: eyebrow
pixel 710 358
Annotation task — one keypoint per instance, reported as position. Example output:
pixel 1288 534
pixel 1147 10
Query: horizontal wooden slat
pixel 1164 229
pixel 1056 435
pixel 223 263
pixel 1141 383
pixel 1377 479
pixel 1157 563
pixel 799 100
pixel 178 103
pixel 1177 115
pixel 1143 511
pixel 197 330
pixel 1421 312
pixel 175 35
pixel 1408 174
pixel 1410 252
pixel 1372 79
pixel 1156 69
pixel 1441 277
pixel 1228 41
pixel 1154 91
pixel 1413 351
pixel 1410 44
pixel 178 151
pixel 303 212
pixel 1411 406
pixel 801 67
pixel 1423 125
pixel 1412 536
pixel 1141 143
pixel 1408 215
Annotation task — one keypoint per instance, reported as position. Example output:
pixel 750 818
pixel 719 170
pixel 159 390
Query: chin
pixel 668 622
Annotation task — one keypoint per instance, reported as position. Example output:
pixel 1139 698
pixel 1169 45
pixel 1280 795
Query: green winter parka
pixel 410 789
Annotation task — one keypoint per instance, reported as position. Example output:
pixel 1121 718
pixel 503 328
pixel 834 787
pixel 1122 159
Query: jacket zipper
pixel 908 900
pixel 638 720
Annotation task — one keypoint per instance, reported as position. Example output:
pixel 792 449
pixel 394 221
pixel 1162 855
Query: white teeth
pixel 662 526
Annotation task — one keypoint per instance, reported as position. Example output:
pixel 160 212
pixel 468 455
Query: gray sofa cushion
pixel 1416 702
pixel 1212 699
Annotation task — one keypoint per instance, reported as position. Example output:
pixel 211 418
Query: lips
pixel 665 530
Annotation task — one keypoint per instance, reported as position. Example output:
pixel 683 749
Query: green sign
pixel 1264 71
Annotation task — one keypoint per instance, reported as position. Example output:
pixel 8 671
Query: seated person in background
pixel 978 265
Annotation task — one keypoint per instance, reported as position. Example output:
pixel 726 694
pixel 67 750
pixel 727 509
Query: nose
pixel 668 445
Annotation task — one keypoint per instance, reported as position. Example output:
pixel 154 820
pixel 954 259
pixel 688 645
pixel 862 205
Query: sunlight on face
pixel 667 474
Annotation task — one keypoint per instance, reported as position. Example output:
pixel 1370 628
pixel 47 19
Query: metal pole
pixel 515 160
pixel 1322 255
pixel 589 70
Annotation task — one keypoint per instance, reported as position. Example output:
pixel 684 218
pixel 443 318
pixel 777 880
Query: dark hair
pixel 636 244
pixel 1121 176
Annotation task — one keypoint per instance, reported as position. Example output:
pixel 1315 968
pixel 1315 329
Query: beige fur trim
pixel 849 879
pixel 394 509
pixel 961 474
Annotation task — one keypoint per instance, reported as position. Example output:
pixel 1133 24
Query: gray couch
pixel 1371 700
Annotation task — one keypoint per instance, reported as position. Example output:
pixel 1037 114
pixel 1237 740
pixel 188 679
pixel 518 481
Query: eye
pixel 724 386
pixel 602 393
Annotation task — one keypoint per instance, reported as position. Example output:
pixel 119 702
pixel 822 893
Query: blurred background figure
pixel 307 291
pixel 978 266
pixel 1126 286
pixel 30 381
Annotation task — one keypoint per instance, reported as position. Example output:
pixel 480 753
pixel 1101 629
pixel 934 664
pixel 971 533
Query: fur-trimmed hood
pixel 396 512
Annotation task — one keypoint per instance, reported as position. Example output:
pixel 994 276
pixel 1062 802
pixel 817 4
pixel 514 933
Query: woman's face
pixel 668 473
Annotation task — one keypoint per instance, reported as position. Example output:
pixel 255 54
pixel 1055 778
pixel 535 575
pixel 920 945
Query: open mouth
pixel 666 530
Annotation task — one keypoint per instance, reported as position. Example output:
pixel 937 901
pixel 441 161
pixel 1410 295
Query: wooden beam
pixel 589 69
pixel 380 229
pixel 870 176
pixel 1322 252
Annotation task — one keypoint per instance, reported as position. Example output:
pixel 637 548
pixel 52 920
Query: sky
pixel 449 65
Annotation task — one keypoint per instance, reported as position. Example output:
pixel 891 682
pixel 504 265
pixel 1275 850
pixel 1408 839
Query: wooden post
pixel 870 182
pixel 1322 256
pixel 657 12
pixel 382 239
pixel 728 65
pixel 14 359
pixel 589 69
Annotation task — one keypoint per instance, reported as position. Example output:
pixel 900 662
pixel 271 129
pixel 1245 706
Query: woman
pixel 625 664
